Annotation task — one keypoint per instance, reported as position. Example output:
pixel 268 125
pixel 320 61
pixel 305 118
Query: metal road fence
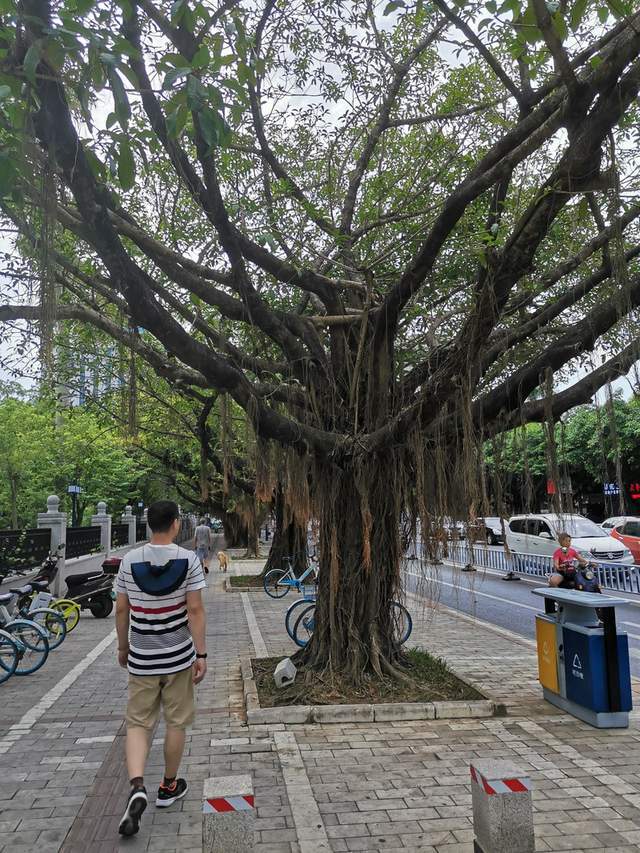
pixel 610 575
pixel 81 541
pixel 21 550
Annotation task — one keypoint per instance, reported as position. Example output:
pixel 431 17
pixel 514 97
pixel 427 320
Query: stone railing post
pixel 57 522
pixel 144 518
pixel 129 518
pixel 103 521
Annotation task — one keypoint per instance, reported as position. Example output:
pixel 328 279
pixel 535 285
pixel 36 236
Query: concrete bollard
pixel 502 809
pixel 228 815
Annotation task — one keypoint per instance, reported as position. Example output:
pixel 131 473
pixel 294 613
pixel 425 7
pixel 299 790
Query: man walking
pixel 160 622
pixel 203 542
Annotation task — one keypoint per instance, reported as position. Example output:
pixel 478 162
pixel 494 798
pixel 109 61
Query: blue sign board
pixel 586 670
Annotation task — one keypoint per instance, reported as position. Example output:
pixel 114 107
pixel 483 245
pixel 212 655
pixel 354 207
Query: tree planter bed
pixel 260 697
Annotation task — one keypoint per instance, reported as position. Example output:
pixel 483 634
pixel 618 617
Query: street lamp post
pixel 74 490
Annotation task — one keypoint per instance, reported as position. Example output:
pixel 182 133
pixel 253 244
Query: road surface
pixel 509 605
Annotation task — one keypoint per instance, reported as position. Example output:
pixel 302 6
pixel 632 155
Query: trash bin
pixel 583 661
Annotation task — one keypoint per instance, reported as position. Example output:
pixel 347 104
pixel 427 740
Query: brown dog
pixel 223 560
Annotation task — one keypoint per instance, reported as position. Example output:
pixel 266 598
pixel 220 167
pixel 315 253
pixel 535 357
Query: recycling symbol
pixel 545 648
pixel 576 662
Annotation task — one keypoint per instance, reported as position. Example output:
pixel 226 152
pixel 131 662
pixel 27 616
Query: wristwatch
pixel 201 656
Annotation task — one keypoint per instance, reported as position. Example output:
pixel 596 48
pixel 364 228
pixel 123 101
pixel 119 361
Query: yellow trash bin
pixel 547 653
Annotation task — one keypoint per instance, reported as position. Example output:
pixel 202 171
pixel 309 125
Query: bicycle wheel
pixel 52 622
pixel 69 610
pixel 272 585
pixel 293 612
pixel 402 622
pixel 304 625
pixel 33 645
pixel 9 656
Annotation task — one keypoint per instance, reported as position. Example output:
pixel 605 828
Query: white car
pixel 538 534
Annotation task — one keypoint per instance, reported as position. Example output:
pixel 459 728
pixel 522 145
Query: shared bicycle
pixel 300 621
pixel 278 582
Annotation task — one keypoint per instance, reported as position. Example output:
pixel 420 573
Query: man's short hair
pixel 161 515
pixel 202 521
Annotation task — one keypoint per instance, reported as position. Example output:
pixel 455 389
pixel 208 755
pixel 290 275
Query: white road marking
pixel 312 836
pixel 477 592
pixel 28 720
pixel 97 739
pixel 473 620
pixel 635 653
pixel 259 646
pixel 534 581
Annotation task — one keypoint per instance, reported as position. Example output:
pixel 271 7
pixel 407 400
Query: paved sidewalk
pixel 370 787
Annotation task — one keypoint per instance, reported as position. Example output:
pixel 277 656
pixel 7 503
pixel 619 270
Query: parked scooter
pixel 91 590
pixel 581 578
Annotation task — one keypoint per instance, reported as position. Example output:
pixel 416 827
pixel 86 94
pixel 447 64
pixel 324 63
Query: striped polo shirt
pixel 159 637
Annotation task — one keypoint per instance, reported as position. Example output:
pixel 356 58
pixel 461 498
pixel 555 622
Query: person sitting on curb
pixel 563 561
pixel 160 623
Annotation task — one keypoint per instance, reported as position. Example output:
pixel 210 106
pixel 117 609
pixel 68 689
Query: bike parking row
pixel 35 622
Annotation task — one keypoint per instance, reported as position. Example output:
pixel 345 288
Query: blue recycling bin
pixel 583 659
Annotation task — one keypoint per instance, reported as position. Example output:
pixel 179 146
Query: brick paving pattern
pixel 377 787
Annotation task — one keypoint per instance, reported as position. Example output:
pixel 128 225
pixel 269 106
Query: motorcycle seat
pixel 39 586
pixel 78 580
pixel 22 590
pixel 6 597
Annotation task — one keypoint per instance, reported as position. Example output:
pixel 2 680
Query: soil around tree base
pixel 433 682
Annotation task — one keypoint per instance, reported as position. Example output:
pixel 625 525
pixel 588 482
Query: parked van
pixel 538 534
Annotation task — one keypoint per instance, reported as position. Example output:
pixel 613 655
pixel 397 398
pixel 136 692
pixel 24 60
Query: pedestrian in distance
pixel 161 626
pixel 203 542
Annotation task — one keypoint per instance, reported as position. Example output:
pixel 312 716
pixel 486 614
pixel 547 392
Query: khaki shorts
pixel 174 692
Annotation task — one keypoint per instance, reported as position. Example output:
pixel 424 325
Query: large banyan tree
pixel 378 228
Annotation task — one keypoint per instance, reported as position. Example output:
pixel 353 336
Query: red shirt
pixel 562 557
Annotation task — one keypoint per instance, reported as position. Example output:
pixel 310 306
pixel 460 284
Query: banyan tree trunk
pixel 289 539
pixel 235 530
pixel 359 574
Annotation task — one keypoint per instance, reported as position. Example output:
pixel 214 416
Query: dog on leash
pixel 223 560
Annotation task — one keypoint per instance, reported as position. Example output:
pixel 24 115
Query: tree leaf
pixel 201 57
pixel 126 165
pixel 31 61
pixel 210 124
pixel 619 8
pixel 392 6
pixel 120 100
pixel 176 121
pixel 173 75
pixel 196 94
pixel 578 13
pixel 5 91
pixel 177 10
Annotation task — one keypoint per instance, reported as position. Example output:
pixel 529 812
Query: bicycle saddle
pixel 76 580
pixel 39 586
pixel 6 597
pixel 22 590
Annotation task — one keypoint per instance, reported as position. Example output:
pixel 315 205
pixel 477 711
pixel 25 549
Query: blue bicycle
pixel 9 655
pixel 278 582
pixel 31 638
pixel 303 620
